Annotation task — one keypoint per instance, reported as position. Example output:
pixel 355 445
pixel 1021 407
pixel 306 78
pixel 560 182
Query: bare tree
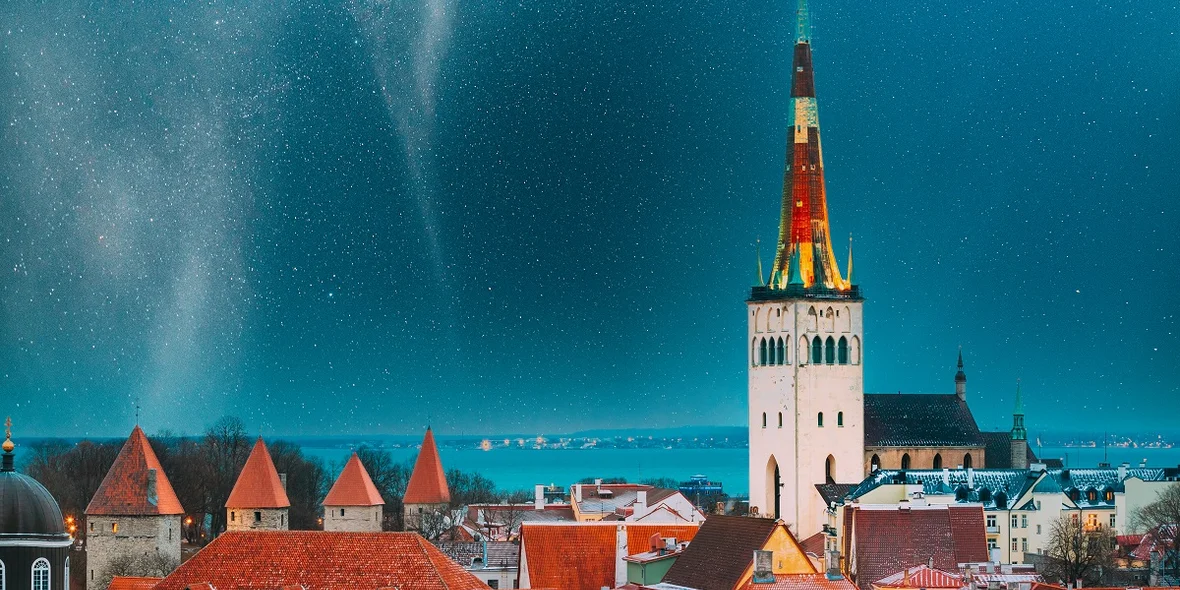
pixel 1161 520
pixel 511 513
pixel 307 483
pixel 154 565
pixel 225 447
pixel 1079 552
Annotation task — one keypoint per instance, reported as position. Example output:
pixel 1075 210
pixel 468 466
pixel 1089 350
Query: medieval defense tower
pixel 805 337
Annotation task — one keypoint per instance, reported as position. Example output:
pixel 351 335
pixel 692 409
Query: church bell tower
pixel 806 388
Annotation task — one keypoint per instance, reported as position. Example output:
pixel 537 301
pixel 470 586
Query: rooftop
pixel 354 487
pixel 919 420
pixel 258 485
pixel 428 482
pixel 124 490
pixel 883 540
pixel 318 560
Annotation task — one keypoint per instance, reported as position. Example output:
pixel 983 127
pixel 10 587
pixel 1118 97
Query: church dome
pixel 27 509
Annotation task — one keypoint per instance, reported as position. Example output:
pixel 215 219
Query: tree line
pixel 203 471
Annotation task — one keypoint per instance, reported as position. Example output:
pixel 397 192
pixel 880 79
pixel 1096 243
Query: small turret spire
pixel 850 259
pixel 961 379
pixel 1019 442
pixel 803 23
pixel 758 253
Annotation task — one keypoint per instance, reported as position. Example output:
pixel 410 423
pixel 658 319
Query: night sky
pixel 540 217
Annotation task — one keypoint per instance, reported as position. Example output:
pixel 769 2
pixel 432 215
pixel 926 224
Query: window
pixel 1038 504
pixel 821 419
pixel 493 584
pixel 1015 542
pixel 65 576
pixel 1038 529
pixel 1092 521
pixel 842 351
pixel 762 352
pixel 1024 544
pixel 1013 521
pixel 829 468
pixel 92 527
pixel 1024 521
pixel 114 527
pixel 780 419
pixel 257 516
pixel 764 419
pixel 1109 496
pixel 905 461
pixel 41 574
pixel 830 351
pixel 782 352
pixel 233 516
pixel 938 461
pixel 341 512
pixel 874 463
pixel 991 521
pixel 992 544
pixel 967 461
pixel 817 351
pixel 840 419
pixel 1111 524
pixel 1092 496
pixel 3 576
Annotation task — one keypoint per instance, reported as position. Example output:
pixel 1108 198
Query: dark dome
pixel 27 509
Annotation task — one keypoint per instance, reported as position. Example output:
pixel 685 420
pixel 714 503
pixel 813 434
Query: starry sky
pixel 518 216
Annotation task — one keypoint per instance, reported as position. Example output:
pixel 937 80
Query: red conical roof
pixel 124 491
pixel 428 483
pixel 258 485
pixel 354 487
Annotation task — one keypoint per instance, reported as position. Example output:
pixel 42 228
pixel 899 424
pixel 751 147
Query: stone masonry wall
pixel 242 519
pixel 109 537
pixel 356 519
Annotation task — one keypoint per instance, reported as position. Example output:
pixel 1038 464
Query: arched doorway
pixel 774 487
pixel 830 469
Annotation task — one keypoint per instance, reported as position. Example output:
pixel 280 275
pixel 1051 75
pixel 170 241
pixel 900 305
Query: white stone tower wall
pixel 355 519
pixel 242 519
pixel 134 535
pixel 800 390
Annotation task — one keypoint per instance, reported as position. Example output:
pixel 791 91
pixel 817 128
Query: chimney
pixel 640 503
pixel 763 567
pixel 946 476
pixel 1123 471
pixel 834 565
pixel 577 492
pixel 539 497
pixel 655 542
pixel 153 496
pixel 970 478
pixel 283 480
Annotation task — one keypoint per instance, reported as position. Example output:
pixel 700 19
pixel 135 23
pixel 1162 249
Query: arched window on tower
pixel 905 461
pixel 3 577
pixel 764 419
pixel 830 351
pixel 846 324
pixel 821 420
pixel 874 463
pixel 854 350
pixel 817 351
pixel 787 349
pixel 830 469
pixel 782 352
pixel 780 425
pixel 754 352
pixel 840 419
pixel 802 351
pixel 842 351
pixel 762 352
pixel 938 461
pixel 830 316
pixel 813 320
pixel 41 574
pixel 967 461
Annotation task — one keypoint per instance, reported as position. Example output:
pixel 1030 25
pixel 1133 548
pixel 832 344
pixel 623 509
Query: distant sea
pixel 519 469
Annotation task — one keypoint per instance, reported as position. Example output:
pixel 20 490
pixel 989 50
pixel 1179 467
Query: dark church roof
pixel 721 552
pixel 27 510
pixel 998 450
pixel 834 492
pixel 919 420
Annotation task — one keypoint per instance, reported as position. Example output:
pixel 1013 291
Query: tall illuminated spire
pixel 804 233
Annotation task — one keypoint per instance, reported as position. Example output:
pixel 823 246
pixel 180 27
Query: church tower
pixel 1018 447
pixel 806 388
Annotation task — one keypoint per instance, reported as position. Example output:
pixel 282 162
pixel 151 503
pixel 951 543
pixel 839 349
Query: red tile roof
pixel 582 556
pixel 320 560
pixel 133 583
pixel 815 544
pixel 887 539
pixel 921 577
pixel 258 484
pixel 124 492
pixel 354 487
pixel 428 482
pixel 801 582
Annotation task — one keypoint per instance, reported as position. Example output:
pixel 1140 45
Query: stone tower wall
pixel 355 519
pixel 109 537
pixel 243 519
